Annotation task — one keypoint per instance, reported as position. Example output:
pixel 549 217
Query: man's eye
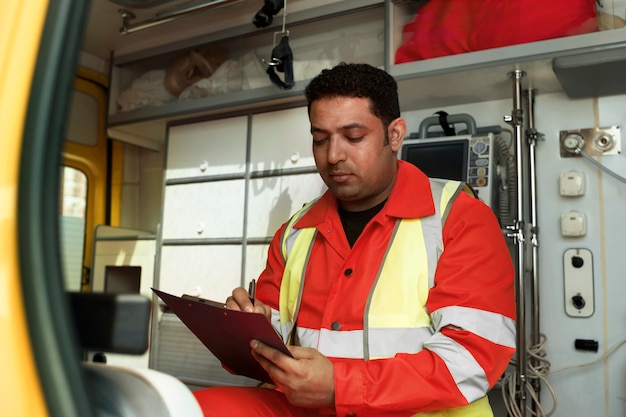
pixel 355 138
pixel 319 141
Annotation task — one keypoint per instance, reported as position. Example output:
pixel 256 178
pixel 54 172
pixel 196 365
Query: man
pixel 394 292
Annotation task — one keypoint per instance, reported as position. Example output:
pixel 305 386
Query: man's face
pixel 351 152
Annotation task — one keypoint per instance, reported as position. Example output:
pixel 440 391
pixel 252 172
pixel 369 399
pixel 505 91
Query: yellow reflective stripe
pixel 293 277
pixel 402 282
pixel 290 234
pixel 479 408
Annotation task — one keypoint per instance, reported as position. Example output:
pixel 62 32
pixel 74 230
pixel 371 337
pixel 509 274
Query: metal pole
pixel 516 231
pixel 535 332
pixel 167 16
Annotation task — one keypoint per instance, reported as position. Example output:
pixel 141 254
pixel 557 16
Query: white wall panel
pixel 281 140
pixel 207 148
pixel 207 271
pixel 256 258
pixel 204 210
pixel 271 201
pixel 604 204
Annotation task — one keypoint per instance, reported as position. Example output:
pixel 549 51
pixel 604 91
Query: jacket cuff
pixel 349 387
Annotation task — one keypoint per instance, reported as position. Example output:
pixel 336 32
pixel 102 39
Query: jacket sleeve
pixel 472 306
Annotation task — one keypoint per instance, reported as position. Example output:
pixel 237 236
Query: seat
pixel 119 323
pixel 129 392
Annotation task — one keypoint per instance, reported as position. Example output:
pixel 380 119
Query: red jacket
pixel 474 272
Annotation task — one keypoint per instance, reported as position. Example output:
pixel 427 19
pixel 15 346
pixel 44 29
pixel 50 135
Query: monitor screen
pixel 122 279
pixel 446 159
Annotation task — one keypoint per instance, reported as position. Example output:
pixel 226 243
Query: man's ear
pixel 397 130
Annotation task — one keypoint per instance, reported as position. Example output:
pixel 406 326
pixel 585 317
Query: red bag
pixel 447 27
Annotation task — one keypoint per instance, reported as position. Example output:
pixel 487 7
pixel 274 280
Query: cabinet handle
pixel 200 228
pixel 204 165
pixel 295 157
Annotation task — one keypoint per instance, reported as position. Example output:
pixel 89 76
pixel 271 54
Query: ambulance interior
pixel 527 98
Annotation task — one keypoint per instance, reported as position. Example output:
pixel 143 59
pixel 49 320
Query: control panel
pixel 481 172
pixel 578 282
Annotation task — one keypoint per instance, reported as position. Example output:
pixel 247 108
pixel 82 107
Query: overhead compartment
pixel 319 37
pixel 369 31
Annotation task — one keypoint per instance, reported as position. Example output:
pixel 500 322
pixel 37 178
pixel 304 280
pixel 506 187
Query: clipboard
pixel 226 333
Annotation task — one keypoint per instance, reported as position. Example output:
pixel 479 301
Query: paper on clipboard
pixel 226 333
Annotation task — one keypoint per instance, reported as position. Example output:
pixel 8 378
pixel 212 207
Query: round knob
pixel 579 301
pixel 479 148
pixel 204 165
pixel 200 228
pixel 577 262
pixel 573 142
pixel 295 157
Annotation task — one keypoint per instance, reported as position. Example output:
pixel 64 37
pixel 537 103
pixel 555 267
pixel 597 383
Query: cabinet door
pixel 207 148
pixel 207 271
pixel 272 200
pixel 281 140
pixel 204 210
pixel 256 259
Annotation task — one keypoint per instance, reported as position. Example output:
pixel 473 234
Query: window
pixel 73 201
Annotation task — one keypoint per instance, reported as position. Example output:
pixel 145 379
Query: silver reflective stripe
pixel 431 231
pixel 494 327
pixel 282 329
pixel 432 226
pixel 467 373
pixel 384 343
pixel 308 337
pixel 345 344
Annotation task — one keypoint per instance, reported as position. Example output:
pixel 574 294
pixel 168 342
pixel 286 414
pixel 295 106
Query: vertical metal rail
pixel 516 231
pixel 535 334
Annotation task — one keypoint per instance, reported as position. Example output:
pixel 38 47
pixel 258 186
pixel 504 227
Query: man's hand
pixel 240 300
pixel 306 379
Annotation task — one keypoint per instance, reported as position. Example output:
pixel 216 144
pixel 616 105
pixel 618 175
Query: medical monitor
pixel 461 158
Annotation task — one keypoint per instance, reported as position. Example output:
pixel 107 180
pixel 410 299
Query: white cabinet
pixel 256 258
pixel 208 271
pixel 217 223
pixel 207 148
pixel 272 200
pixel 281 140
pixel 205 210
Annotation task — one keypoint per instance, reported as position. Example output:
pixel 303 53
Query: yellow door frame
pixel 92 161
pixel 21 25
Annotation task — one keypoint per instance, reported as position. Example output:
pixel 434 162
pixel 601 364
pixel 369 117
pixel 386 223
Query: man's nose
pixel 336 150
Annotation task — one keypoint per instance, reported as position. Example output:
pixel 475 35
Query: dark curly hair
pixel 358 80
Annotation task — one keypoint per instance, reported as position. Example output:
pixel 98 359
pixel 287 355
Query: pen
pixel 251 289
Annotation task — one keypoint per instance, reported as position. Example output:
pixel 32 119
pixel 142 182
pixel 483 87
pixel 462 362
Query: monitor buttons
pixel 481 182
pixel 480 147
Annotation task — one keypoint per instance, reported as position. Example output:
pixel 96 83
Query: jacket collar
pixel 410 197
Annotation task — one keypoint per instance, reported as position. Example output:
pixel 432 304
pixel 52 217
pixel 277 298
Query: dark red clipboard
pixel 226 333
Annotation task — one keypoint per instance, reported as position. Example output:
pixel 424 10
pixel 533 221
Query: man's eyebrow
pixel 352 126
pixel 344 127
